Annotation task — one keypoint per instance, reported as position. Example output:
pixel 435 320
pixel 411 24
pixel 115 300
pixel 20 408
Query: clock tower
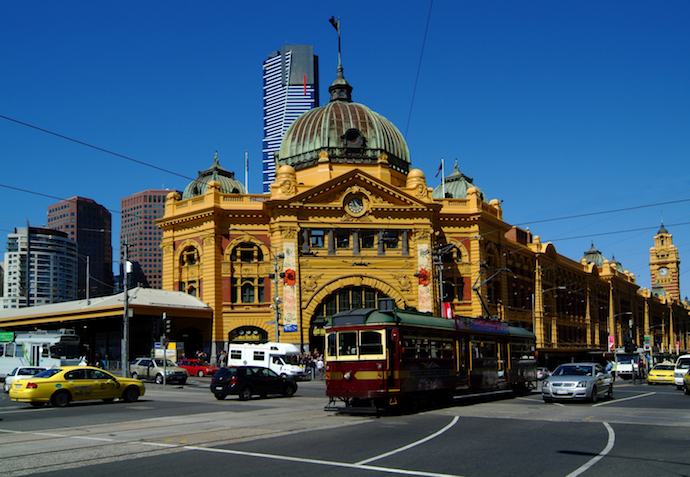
pixel 664 264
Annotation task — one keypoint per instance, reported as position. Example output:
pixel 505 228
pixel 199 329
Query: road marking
pixel 409 446
pixel 602 454
pixel 322 462
pixel 624 399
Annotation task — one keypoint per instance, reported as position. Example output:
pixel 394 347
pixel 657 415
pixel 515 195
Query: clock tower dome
pixel 664 264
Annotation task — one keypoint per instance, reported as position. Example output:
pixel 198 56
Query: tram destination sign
pixel 6 336
pixel 476 324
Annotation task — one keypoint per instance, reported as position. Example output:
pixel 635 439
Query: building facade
pixel 290 87
pixel 349 221
pixel 664 264
pixel 141 236
pixel 40 268
pixel 90 225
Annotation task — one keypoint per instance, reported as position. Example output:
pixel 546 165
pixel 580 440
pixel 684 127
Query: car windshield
pixel 663 367
pixel 683 364
pixel 573 371
pixel 48 373
pixel 159 362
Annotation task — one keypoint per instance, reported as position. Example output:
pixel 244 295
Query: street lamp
pixel 125 315
pixel 276 300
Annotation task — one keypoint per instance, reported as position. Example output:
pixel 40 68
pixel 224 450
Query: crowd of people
pixel 313 361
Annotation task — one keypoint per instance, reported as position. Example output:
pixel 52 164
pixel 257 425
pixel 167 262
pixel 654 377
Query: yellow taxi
pixel 661 374
pixel 59 386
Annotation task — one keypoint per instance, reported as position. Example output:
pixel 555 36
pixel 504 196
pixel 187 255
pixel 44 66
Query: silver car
pixel 588 381
pixel 20 373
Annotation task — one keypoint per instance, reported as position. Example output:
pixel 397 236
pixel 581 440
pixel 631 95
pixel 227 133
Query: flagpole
pixel 443 177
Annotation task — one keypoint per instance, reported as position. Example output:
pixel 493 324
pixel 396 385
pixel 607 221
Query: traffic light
pixel 156 328
pixel 628 343
pixel 167 324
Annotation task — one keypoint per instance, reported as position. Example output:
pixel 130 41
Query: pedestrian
pixel 319 367
pixel 223 361
pixel 613 370
pixel 609 366
pixel 641 369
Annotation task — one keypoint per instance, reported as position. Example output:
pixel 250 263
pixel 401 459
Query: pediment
pixel 358 193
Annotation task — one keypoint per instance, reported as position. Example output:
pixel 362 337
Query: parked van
pixel 682 367
pixel 282 358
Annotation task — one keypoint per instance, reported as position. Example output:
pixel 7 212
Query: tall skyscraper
pixel 41 268
pixel 291 87
pixel 90 225
pixel 142 236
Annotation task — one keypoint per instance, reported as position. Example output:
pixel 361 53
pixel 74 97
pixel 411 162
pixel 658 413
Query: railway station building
pixel 349 220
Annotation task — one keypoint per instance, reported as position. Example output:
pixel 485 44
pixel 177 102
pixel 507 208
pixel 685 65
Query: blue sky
pixel 557 108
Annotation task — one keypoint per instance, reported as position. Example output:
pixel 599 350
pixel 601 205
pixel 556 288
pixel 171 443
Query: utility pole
pixel 125 315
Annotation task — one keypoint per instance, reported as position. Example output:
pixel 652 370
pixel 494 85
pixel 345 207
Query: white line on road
pixel 607 449
pixel 409 446
pixel 624 399
pixel 322 462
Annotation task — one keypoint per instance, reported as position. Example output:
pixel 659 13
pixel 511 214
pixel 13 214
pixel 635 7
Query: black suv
pixel 246 381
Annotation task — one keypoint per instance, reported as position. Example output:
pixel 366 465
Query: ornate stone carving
pixel 289 234
pixel 404 282
pixel 310 282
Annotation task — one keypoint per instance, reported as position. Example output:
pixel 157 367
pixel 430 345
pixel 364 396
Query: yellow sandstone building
pixel 349 220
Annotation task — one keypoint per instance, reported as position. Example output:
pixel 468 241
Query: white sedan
pixel 19 373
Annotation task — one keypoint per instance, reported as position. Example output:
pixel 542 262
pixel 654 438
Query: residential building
pixel 40 268
pixel 291 87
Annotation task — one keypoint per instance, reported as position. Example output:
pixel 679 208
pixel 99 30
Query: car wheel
pixel 245 393
pixel 135 375
pixel 219 396
pixel 184 381
pixel 159 379
pixel 679 387
pixel 685 389
pixel 200 374
pixel 548 400
pixel 6 388
pixel 289 391
pixel 595 397
pixel 60 399
pixel 131 394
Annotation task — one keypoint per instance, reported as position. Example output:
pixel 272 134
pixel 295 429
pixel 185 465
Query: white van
pixel 682 367
pixel 283 358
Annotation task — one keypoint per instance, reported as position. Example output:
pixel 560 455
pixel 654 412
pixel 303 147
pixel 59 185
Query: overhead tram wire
pixel 94 147
pixel 419 67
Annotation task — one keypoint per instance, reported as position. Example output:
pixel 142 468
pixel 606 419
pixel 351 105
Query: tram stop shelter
pixel 99 322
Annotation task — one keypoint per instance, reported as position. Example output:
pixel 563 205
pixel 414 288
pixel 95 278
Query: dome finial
pixel 340 89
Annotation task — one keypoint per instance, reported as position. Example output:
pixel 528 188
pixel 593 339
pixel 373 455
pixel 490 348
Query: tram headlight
pixel 348 376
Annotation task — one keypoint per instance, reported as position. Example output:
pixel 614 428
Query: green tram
pixel 382 359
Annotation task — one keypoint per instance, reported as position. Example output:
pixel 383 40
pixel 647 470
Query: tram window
pixel 347 343
pixel 45 351
pixel 331 349
pixel 9 349
pixel 371 343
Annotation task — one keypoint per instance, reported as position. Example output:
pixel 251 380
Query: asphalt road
pixel 182 431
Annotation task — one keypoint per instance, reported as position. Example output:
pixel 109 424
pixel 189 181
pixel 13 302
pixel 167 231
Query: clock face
pixel 663 271
pixel 355 205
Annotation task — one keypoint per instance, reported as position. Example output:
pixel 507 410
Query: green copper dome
pixel 228 183
pixel 456 185
pixel 594 256
pixel 350 133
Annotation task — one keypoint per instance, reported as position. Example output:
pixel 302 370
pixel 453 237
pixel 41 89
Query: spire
pixel 340 89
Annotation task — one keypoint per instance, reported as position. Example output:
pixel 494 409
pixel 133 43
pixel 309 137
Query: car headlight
pixel 545 384
pixel 582 384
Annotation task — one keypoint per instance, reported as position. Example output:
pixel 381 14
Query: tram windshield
pixel 354 344
pixel 64 351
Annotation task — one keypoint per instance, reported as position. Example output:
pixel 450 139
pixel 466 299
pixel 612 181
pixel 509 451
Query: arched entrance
pixel 248 334
pixel 193 342
pixel 344 299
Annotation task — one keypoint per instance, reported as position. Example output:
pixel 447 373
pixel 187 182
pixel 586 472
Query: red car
pixel 196 367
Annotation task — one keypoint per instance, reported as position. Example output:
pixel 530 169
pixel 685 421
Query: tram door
pixel 34 354
pixel 502 364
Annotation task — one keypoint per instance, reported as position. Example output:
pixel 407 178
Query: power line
pixel 95 147
pixel 419 67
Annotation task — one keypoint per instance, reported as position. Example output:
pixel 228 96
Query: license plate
pixel 561 391
pixel 219 388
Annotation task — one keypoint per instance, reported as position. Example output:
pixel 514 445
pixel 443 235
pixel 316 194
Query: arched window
pixel 190 256
pixel 247 252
